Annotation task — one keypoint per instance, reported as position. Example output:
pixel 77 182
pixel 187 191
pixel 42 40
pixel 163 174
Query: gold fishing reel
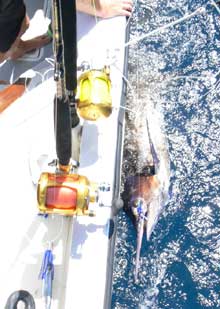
pixel 94 94
pixel 65 194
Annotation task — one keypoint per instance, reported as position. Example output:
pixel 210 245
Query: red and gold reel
pixel 65 194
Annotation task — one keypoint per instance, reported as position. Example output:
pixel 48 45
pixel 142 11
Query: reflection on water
pixel 178 70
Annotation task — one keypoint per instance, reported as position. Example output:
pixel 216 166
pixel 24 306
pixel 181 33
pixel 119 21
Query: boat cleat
pixel 104 194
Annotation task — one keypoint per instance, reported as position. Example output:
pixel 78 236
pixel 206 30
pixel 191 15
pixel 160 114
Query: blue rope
pixel 47 275
pixel 47 265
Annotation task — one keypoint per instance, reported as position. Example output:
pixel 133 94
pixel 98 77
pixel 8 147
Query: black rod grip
pixel 63 130
pixel 69 33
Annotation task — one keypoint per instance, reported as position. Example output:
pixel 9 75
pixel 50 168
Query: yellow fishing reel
pixel 65 194
pixel 94 94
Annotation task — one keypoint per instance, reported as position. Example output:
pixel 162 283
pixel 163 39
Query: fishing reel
pixel 66 194
pixel 94 94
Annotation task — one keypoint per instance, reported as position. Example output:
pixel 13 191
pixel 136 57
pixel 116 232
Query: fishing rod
pixel 65 75
pixel 65 117
pixel 65 192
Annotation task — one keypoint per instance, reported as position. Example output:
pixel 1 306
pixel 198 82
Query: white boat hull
pixel 80 245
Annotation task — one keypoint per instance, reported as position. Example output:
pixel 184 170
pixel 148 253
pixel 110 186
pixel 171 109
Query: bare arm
pixel 105 8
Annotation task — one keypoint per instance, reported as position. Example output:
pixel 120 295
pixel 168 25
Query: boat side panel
pixel 90 266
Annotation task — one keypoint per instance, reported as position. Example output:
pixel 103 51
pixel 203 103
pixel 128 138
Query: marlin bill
pixel 146 184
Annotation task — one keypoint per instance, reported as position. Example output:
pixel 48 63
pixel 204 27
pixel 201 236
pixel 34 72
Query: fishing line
pixel 125 108
pixel 125 79
pixel 51 61
pixel 200 10
pixel 95 12
pixel 129 86
pixel 215 5
pixel 97 19
pixel 129 18
pixel 168 79
pixel 46 72
pixel 96 22
pixel 213 88
pixel 57 236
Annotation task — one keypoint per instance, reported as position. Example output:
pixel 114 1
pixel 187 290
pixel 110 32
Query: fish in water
pixel 147 190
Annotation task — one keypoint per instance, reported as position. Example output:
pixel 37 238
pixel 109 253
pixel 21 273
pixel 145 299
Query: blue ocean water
pixel 179 69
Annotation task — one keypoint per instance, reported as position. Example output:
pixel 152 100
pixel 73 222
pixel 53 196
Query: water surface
pixel 178 70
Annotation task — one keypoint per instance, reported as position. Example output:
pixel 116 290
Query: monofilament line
pixel 160 29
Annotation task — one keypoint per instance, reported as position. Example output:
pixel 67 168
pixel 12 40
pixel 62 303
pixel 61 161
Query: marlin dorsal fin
pixel 155 158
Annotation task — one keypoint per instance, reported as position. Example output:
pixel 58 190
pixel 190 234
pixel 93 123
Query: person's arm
pixel 91 7
pixel 105 8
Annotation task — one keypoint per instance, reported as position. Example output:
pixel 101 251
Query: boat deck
pixel 81 245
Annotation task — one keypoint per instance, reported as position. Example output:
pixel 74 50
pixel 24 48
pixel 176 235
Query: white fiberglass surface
pixel 80 246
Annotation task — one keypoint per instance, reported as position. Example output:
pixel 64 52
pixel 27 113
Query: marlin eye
pixel 136 203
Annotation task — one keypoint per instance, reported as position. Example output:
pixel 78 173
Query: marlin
pixel 146 191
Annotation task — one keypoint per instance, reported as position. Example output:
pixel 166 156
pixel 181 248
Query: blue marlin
pixel 147 191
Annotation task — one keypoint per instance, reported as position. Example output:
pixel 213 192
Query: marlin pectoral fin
pixel 140 233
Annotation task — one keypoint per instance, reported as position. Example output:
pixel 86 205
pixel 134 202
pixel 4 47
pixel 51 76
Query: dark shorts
pixel 12 13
